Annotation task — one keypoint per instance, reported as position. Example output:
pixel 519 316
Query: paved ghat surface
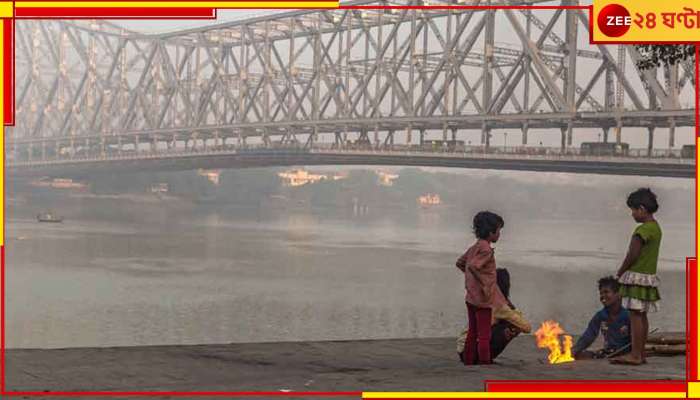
pixel 373 365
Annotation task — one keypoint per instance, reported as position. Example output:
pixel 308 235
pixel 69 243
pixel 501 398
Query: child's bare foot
pixel 627 360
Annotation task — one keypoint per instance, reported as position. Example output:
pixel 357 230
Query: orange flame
pixel 548 337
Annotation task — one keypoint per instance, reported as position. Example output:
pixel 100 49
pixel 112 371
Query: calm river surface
pixel 167 273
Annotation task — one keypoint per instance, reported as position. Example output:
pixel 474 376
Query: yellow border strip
pixel 693 390
pixel 523 395
pixel 167 4
pixel 6 9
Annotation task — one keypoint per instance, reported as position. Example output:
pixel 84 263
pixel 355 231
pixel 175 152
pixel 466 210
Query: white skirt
pixel 640 305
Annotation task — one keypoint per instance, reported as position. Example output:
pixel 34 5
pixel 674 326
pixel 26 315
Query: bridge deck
pixel 678 168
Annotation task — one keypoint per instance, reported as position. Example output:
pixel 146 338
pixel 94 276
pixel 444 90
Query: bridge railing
pixel 514 152
pixel 519 151
pixel 513 156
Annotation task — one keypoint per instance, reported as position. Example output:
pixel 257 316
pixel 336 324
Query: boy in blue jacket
pixel 613 322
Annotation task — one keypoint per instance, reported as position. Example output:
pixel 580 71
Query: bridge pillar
pixel 454 135
pixel 606 131
pixel 422 136
pixel 650 145
pixel 570 133
pixel 265 138
pixel 563 138
pixel 524 130
pixel 618 131
pixel 672 133
pixel 364 138
pixel 485 135
pixel 337 139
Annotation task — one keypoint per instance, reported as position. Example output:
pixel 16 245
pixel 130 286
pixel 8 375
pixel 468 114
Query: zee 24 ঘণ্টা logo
pixel 649 21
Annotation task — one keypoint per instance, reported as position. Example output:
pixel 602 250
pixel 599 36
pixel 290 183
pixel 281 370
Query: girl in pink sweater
pixel 483 295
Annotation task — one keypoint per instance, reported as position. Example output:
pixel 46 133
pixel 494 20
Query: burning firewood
pixel 548 338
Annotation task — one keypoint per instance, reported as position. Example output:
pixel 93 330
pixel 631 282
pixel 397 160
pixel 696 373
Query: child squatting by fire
pixel 613 322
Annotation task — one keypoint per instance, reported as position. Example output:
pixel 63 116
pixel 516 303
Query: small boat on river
pixel 48 217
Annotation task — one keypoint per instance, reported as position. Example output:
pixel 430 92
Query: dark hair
pixel 643 197
pixel 486 223
pixel 503 281
pixel 609 282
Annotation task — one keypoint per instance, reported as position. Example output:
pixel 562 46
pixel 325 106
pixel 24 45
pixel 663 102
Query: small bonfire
pixel 548 338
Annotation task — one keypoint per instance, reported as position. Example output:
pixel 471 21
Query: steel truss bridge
pixel 347 86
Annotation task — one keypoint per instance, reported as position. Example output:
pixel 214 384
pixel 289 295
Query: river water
pixel 172 273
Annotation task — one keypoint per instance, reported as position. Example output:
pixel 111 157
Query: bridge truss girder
pixel 292 76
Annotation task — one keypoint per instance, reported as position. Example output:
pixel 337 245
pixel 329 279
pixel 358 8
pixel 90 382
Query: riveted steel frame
pixel 93 87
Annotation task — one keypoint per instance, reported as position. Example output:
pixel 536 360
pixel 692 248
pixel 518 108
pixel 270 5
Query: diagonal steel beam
pixel 533 51
pixel 464 102
pixel 544 93
pixel 450 48
pixel 112 68
pixel 174 75
pixel 594 79
pixel 613 65
pixel 128 116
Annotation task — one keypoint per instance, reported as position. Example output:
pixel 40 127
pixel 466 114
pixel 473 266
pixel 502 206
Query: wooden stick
pixel 618 351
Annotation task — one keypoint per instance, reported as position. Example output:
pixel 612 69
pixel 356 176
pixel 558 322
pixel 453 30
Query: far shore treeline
pixel 541 195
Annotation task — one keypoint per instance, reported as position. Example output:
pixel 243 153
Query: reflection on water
pixel 169 275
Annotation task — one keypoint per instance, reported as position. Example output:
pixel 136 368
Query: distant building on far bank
pixel 300 177
pixel 158 188
pixel 212 175
pixel 429 200
pixel 58 183
pixel 386 178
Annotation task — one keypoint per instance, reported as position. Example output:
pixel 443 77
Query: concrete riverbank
pixel 373 365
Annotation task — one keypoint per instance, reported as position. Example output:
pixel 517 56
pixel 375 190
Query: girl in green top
pixel 637 275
